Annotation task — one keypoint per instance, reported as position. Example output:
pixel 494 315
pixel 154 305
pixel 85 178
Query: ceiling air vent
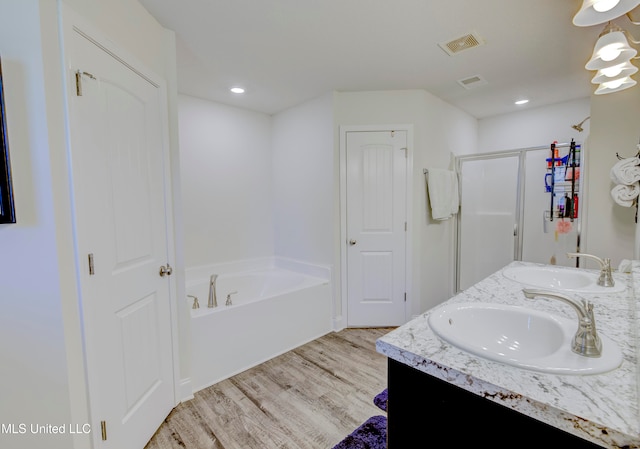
pixel 461 43
pixel 472 82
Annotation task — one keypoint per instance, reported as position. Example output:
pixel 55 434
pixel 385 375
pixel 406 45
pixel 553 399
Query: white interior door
pixel 376 192
pixel 489 216
pixel 118 157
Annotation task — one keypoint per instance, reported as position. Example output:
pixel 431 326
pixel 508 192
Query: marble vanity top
pixel 601 408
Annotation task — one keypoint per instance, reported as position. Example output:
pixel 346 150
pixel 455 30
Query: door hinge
pixel 405 226
pixel 79 74
pixel 103 430
pixel 78 84
pixel 92 270
pixel 405 296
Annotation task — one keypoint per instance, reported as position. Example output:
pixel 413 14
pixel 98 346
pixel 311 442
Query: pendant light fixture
pixel 612 48
pixel 615 86
pixel 595 12
pixel 612 53
pixel 614 72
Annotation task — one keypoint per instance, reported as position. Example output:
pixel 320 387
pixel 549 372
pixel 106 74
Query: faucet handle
pixel 196 304
pixel 228 301
pixel 606 277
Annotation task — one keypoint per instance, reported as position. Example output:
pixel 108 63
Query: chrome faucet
pixel 586 341
pixel 213 301
pixel 606 278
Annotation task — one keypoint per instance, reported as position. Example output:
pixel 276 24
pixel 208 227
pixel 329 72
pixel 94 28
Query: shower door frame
pixel 519 212
pixel 520 207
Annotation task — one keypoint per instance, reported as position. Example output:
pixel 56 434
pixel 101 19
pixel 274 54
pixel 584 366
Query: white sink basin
pixel 560 279
pixel 518 336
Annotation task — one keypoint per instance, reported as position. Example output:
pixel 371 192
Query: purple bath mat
pixel 372 434
pixel 381 400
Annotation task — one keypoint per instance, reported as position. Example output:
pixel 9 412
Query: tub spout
pixel 213 301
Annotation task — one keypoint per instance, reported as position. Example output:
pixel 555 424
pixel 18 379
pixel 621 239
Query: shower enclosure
pixel 513 206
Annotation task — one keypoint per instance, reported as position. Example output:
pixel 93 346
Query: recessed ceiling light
pixel 522 101
pixel 237 90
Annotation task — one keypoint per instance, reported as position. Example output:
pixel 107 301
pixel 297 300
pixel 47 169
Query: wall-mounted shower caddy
pixel 562 181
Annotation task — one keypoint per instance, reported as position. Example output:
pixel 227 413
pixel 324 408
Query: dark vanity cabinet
pixel 426 412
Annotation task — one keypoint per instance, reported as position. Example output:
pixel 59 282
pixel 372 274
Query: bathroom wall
pixel 615 128
pixel 227 182
pixel 40 329
pixel 534 127
pixel 440 130
pixel 305 196
pixel 34 371
pixel 303 170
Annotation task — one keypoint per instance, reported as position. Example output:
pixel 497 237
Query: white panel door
pixel 118 156
pixel 376 227
pixel 488 217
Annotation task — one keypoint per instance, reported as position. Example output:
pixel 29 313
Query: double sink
pixel 532 339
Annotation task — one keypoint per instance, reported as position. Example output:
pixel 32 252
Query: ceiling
pixel 285 52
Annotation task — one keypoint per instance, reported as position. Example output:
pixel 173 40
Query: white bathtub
pixel 273 311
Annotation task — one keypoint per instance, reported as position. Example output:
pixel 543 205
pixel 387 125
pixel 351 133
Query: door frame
pixel 341 320
pixel 72 22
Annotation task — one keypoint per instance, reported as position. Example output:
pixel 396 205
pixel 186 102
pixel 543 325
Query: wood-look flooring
pixel 308 398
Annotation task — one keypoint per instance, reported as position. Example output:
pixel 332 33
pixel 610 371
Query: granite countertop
pixel 601 408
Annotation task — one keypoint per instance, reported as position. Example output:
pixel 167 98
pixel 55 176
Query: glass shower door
pixel 541 241
pixel 488 227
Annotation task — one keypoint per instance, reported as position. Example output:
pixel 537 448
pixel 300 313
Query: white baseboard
pixel 186 390
pixel 338 324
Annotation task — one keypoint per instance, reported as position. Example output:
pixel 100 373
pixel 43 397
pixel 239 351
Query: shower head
pixel 578 127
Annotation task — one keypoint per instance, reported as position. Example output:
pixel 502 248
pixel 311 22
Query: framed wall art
pixel 7 211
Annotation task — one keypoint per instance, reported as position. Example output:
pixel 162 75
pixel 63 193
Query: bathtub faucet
pixel 213 301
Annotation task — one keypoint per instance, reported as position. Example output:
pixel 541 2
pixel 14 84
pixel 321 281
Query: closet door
pixel 376 216
pixel 489 216
pixel 119 154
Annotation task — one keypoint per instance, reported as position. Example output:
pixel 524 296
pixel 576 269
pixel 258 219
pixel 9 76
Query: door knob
pixel 352 242
pixel 166 271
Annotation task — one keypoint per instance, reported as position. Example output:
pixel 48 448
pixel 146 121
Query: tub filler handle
pixel 196 304
pixel 228 301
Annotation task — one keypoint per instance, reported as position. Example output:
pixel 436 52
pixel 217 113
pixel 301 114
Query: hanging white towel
pixel 626 171
pixel 443 193
pixel 625 195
